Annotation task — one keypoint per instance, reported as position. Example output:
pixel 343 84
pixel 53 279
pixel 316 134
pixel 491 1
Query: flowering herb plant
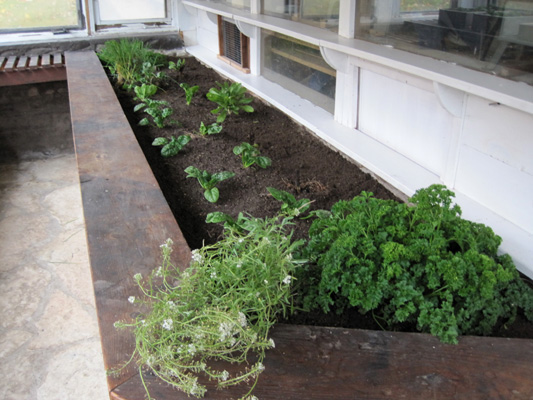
pixel 221 310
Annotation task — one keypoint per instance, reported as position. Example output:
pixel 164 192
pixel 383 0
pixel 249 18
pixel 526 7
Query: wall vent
pixel 233 45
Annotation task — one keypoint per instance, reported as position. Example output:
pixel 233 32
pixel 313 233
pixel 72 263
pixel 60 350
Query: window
pixel 320 13
pixel 244 4
pixel 494 36
pixel 40 15
pixel 233 45
pixel 130 11
pixel 299 67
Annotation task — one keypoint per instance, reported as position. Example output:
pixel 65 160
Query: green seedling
pixel 189 91
pixel 209 181
pixel 250 155
pixel 212 129
pixel 158 110
pixel 230 99
pixel 290 205
pixel 176 65
pixel 173 146
pixel 144 92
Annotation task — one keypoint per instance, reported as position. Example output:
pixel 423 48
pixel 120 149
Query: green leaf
pixel 193 172
pixel 223 175
pixel 160 141
pixel 139 107
pixel 263 162
pixel 169 150
pixel 144 122
pixel 212 195
pixel 248 109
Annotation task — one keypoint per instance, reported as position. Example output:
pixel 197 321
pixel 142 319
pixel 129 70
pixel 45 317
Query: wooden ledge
pixel 127 218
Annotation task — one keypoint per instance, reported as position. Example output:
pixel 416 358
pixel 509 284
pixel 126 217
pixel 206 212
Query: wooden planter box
pixel 127 218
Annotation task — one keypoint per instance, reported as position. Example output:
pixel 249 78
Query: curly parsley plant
pixel 420 264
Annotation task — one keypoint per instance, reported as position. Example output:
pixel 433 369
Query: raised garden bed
pixel 127 219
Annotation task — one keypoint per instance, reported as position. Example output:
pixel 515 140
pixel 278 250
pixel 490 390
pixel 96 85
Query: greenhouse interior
pixel 414 93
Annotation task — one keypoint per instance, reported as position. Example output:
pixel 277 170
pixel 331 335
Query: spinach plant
pixel 250 155
pixel 144 92
pixel 176 65
pixel 159 110
pixel 189 91
pixel 212 129
pixel 290 205
pixel 420 264
pixel 209 181
pixel 173 146
pixel 230 99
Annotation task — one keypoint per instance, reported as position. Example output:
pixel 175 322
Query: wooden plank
pixel 10 64
pixel 126 215
pixel 39 75
pixel 57 59
pixel 23 62
pixel 34 62
pixel 334 363
pixel 45 60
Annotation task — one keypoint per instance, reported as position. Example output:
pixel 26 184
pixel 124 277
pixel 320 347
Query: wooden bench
pixel 127 219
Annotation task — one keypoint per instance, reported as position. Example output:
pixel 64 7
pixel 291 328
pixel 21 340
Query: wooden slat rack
pixel 21 70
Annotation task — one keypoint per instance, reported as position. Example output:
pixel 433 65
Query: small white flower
pixel 191 349
pixel 159 272
pixel 260 367
pixel 239 265
pixel 171 304
pixel 196 256
pixel 266 282
pixel 265 239
pixel 287 280
pixel 137 277
pixel 289 256
pixel 213 275
pixel 167 324
pixel 271 343
pixel 242 319
pixel 225 376
pixel 143 322
pixel 168 244
pixel 131 299
pixel 241 240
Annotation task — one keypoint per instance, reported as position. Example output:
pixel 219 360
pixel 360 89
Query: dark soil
pixel 302 164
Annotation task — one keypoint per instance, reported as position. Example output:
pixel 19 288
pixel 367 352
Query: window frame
pixel 99 23
pixel 56 28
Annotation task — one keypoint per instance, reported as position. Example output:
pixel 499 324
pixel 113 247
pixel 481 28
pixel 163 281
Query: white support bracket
pixel 247 29
pixel 453 101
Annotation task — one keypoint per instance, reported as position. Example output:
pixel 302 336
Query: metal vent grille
pixel 232 42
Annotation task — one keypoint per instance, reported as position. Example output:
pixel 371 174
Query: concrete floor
pixel 49 338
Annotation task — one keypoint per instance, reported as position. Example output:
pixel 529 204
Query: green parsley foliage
pixel 417 263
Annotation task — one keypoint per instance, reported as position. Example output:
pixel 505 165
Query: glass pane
pixel 320 13
pixel 244 4
pixel 299 67
pixel 494 36
pixel 137 10
pixel 38 14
